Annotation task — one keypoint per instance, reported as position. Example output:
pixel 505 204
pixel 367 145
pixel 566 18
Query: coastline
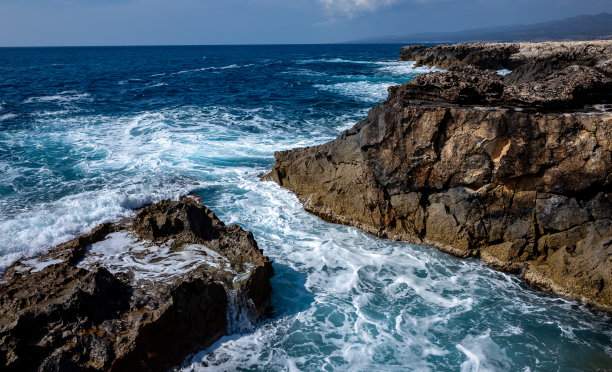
pixel 342 299
pixel 481 165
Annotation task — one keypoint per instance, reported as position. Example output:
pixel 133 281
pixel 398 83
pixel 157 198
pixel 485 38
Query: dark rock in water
pixel 138 295
pixel 518 174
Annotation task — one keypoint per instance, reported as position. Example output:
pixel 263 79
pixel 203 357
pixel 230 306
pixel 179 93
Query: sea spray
pixel 241 312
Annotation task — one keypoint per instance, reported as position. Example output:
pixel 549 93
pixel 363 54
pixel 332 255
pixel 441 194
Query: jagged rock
pixel 461 84
pixel 137 295
pixel 517 174
pixel 572 87
pixel 528 61
pixel 482 55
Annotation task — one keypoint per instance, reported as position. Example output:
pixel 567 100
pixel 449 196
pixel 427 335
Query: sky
pixel 203 22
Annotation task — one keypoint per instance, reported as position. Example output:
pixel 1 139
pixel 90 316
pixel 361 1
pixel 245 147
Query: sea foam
pixel 61 97
pixel 121 252
pixel 130 161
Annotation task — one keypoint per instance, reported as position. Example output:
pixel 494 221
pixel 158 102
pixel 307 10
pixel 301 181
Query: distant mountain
pixel 583 27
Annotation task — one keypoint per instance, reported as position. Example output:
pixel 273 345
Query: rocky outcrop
pixel 570 88
pixel 141 294
pixel 516 173
pixel 528 61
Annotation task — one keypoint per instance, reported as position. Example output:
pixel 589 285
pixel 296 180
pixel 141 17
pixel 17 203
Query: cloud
pixel 337 9
pixel 352 8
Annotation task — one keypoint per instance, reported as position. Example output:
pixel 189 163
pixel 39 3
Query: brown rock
pixel 529 61
pixel 80 307
pixel 517 173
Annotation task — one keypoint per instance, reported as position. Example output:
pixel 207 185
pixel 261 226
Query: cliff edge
pixel 513 169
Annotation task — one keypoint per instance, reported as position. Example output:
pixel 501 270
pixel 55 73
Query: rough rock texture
pixel 72 310
pixel 571 87
pixel 529 61
pixel 479 167
pixel 481 55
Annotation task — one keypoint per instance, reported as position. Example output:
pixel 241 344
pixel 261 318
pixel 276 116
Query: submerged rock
pixel 518 174
pixel 141 294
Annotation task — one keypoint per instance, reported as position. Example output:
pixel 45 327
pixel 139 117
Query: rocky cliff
pixel 515 170
pixel 141 294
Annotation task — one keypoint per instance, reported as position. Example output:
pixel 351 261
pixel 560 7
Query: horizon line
pixel 190 45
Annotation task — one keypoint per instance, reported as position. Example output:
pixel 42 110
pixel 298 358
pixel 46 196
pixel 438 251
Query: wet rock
pixel 516 173
pixel 141 294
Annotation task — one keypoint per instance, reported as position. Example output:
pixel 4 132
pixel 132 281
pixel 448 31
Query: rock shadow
pixel 289 297
pixel 289 293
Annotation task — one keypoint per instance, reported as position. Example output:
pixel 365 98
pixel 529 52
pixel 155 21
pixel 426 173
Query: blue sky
pixel 146 22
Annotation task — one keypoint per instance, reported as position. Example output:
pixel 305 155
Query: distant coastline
pixel 579 28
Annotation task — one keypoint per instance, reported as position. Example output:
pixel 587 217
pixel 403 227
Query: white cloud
pixel 351 8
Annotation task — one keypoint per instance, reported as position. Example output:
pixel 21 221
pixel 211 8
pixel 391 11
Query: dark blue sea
pixel 89 134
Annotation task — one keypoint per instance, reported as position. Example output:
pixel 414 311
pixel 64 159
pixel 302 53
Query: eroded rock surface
pixel 516 173
pixel 528 61
pixel 137 295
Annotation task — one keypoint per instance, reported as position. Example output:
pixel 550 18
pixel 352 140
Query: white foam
pixel 211 68
pixel 344 300
pixel 61 97
pixel 342 263
pixel 241 312
pixel 503 72
pixel 54 113
pixel 338 60
pixel 120 252
pixel 156 85
pixel 401 68
pixel 483 354
pixel 304 72
pixel 34 265
pixel 123 82
pixel 370 91
pixel 32 232
pixel 406 68
pixel 8 116
pixel 133 160
pixel 360 90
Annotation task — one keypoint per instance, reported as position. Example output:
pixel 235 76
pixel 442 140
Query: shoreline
pixel 478 165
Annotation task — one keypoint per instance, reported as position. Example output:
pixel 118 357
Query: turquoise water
pixel 88 134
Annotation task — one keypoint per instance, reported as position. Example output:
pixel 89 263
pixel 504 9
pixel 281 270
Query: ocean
pixel 89 134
